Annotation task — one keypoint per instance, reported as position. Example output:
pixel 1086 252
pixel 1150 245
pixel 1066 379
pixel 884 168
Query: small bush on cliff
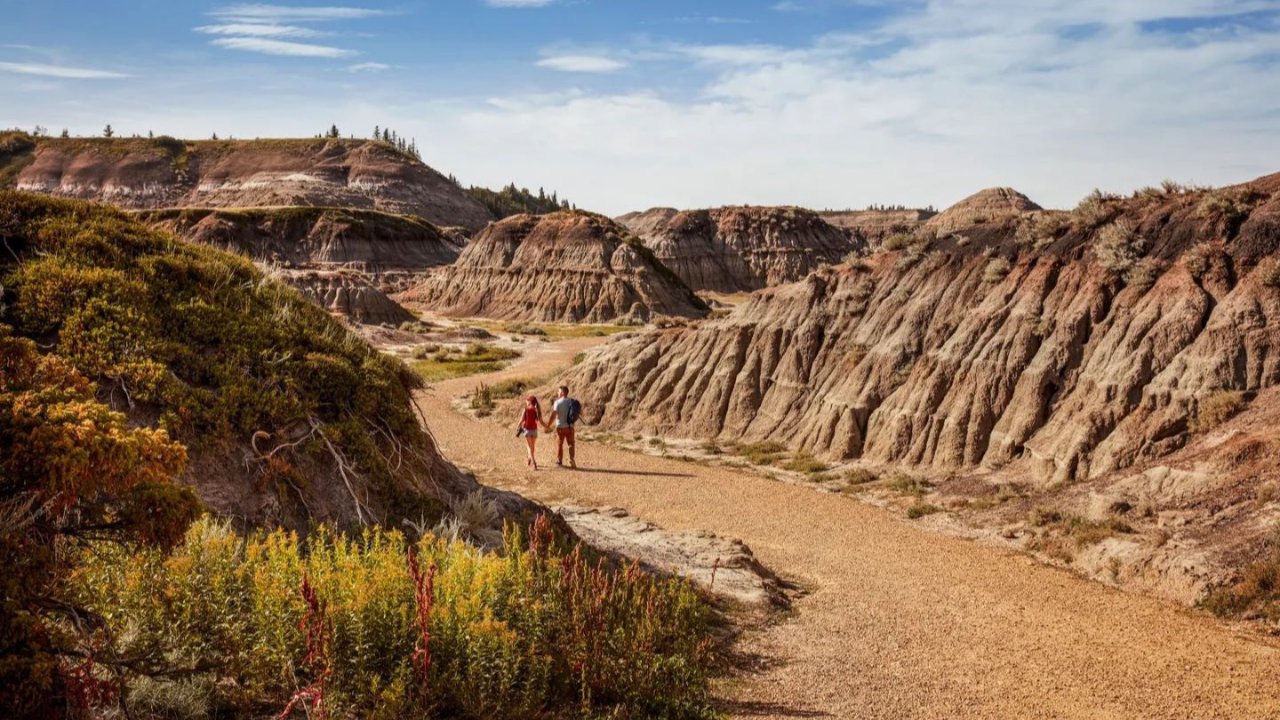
pixel 997 269
pixel 1143 274
pixel 387 629
pixel 1117 247
pixel 1269 272
pixel 1229 205
pixel 1096 208
pixel 1215 409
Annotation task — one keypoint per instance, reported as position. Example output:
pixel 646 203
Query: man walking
pixel 566 411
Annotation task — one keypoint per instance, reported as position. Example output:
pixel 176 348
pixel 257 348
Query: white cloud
pixel 368 67
pixel 261 30
pixel 282 47
pixel 582 63
pixel 59 71
pixel 519 3
pixel 259 11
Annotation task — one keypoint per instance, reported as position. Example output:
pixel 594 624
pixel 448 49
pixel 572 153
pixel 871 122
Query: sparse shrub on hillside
pixel 921 509
pixel 1215 409
pixel 1256 592
pixel 860 476
pixel 1038 229
pixel 1062 535
pixel 805 463
pixel 1229 205
pixel 532 631
pixel 896 241
pixel 908 484
pixel 1117 247
pixel 762 453
pixel 1144 273
pixel 997 269
pixel 1269 272
pixel 1096 208
pixel 482 401
pixel 1199 259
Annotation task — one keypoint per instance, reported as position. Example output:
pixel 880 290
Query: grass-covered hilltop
pixel 146 381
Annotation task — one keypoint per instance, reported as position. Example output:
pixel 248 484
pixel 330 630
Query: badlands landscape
pixel 994 461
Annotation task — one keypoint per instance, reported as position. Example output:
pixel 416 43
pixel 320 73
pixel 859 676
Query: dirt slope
pixel 164 172
pixel 568 266
pixel 873 226
pixel 740 249
pixel 899 622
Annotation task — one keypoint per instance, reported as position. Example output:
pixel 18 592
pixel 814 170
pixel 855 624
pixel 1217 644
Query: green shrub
pixel 1143 274
pixel 1096 208
pixel 1229 205
pixel 529 632
pixel 908 484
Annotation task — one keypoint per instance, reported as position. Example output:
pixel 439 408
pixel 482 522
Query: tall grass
pixel 372 626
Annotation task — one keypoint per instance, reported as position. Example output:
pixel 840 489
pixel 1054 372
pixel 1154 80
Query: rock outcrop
pixel 873 226
pixel 993 205
pixel 1073 345
pixel 569 266
pixel 142 173
pixel 741 249
pixel 347 261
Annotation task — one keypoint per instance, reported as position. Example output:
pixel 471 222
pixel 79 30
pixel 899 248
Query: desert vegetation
pixel 435 363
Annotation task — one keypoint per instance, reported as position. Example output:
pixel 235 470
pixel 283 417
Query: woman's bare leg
pixel 533 459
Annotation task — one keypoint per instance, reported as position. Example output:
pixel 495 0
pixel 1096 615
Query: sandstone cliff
pixel 164 172
pixel 564 267
pixel 1074 345
pixel 984 206
pixel 740 249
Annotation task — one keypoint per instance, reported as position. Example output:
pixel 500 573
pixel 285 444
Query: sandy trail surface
pixel 899 622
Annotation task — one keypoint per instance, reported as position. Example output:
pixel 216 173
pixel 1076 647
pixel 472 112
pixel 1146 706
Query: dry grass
pixel 997 269
pixel 1269 272
pixel 455 362
pixel 1215 409
pixel 1255 594
pixel 922 509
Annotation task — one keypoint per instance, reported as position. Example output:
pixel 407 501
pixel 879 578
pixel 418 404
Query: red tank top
pixel 530 420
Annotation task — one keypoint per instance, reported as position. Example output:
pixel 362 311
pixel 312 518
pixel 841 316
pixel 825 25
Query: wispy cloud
pixel 261 30
pixel 282 47
pixel 275 13
pixel 582 63
pixel 368 67
pixel 59 71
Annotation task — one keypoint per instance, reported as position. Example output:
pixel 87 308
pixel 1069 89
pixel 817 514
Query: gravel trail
pixel 899 622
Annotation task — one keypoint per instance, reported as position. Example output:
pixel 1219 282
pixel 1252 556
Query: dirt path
pixel 901 622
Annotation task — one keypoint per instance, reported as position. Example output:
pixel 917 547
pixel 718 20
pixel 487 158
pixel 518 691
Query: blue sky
pixel 622 104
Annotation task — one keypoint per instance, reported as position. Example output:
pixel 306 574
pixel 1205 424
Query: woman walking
pixel 530 419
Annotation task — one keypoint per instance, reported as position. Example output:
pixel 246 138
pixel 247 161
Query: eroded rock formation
pixel 1074 345
pixel 164 172
pixel 740 249
pixel 568 267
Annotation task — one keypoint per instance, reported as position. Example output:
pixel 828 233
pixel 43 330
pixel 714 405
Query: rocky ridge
pixel 165 172
pixel 569 266
pixel 1048 347
pixel 740 249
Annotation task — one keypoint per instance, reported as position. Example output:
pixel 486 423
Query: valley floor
pixel 900 622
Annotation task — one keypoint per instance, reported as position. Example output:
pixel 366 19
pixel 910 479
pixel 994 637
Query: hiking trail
pixel 899 622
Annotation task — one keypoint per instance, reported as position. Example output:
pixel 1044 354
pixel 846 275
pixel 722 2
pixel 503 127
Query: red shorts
pixel 565 433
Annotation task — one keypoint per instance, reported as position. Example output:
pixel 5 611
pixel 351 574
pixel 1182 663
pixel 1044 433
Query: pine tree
pixel 66 133
pixel 377 132
pixel 215 136
pixel 107 131
pixel 333 131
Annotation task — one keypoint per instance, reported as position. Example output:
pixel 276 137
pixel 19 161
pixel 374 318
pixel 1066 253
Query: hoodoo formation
pixel 165 172
pixel 569 266
pixel 740 249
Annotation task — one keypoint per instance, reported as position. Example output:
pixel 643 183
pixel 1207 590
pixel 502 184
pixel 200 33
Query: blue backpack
pixel 575 411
